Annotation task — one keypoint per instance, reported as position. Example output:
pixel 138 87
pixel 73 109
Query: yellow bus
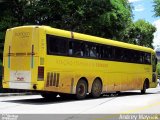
pixel 53 61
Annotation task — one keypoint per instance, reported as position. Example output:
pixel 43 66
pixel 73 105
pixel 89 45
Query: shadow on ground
pixel 57 100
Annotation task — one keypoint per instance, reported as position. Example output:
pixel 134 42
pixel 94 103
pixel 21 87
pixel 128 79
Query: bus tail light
pixel 40 73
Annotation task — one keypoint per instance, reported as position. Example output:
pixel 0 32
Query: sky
pixel 143 9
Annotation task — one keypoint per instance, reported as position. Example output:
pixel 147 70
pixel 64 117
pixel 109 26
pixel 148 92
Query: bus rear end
pixel 20 58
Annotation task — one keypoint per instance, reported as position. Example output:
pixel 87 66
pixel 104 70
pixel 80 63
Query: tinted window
pixel 77 48
pixel 56 45
pixel 147 58
pixel 108 52
pixel 86 49
pixel 93 50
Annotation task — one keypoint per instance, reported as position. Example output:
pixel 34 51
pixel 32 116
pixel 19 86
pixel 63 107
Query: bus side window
pixel 56 45
pixel 107 52
pixel 99 51
pixel 123 55
pixel 70 48
pixel 118 54
pixel 93 51
pixel 137 57
pixel 77 48
pixel 86 49
pixel 147 58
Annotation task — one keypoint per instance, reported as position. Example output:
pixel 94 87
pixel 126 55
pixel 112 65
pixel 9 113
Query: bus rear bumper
pixel 21 85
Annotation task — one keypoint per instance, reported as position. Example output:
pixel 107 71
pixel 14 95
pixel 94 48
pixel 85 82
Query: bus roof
pixel 100 40
pixel 80 36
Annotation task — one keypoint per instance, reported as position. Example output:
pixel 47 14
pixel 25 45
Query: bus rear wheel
pixel 81 89
pixel 96 88
pixel 49 96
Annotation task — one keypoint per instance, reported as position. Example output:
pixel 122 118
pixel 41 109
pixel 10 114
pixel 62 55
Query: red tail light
pixel 40 73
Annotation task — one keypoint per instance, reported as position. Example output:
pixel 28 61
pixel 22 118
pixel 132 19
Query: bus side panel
pixel 68 70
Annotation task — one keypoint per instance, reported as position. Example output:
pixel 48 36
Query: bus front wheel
pixel 96 88
pixel 81 89
pixel 143 91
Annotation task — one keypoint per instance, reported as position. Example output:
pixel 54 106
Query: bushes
pixel 158 68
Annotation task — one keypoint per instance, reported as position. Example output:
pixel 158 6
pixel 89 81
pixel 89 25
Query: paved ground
pixel 126 102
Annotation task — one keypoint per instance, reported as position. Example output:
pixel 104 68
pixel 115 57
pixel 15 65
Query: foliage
pixel 144 33
pixel 158 68
pixel 157 7
pixel 140 33
pixel 104 18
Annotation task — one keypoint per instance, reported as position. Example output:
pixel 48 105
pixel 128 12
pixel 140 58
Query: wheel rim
pixel 97 88
pixel 81 90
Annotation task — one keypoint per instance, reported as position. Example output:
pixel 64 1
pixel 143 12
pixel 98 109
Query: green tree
pixel 140 33
pixel 157 7
pixel 10 17
pixel 6 21
pixel 104 18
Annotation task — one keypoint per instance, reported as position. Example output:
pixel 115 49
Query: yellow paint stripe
pixel 130 111
pixel 141 108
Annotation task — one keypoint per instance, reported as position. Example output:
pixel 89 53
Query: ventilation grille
pixel 52 79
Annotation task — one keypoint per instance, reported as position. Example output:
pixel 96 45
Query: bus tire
pixel 96 88
pixel 81 89
pixel 143 91
pixel 49 96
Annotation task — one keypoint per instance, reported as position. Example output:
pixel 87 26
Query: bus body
pixel 50 60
